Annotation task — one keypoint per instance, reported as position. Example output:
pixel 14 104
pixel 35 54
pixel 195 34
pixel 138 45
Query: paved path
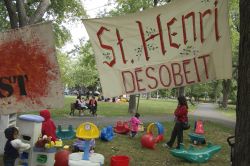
pixel 207 111
pixel 103 120
pixel 204 111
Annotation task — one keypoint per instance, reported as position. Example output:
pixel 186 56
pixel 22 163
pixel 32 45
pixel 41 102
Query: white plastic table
pixel 95 159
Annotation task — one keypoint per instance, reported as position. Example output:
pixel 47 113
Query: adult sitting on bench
pixel 79 105
pixel 83 104
pixel 93 106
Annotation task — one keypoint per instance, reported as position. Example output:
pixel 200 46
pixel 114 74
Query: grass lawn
pixel 146 107
pixel 123 145
pixel 230 111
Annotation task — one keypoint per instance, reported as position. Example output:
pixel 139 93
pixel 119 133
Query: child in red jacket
pixel 48 126
pixel 181 120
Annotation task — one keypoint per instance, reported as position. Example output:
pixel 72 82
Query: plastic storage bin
pixel 119 161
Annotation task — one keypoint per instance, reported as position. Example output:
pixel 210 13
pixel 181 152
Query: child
pixel 48 126
pixel 12 146
pixel 134 123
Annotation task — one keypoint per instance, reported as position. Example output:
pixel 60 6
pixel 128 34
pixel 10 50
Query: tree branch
pixel 22 16
pixel 12 14
pixel 42 8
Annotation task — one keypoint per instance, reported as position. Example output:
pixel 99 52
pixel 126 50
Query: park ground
pixel 218 126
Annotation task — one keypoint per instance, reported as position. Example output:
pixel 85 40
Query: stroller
pixel 231 142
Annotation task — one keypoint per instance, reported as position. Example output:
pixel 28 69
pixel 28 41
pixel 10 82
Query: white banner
pixel 182 43
pixel 29 73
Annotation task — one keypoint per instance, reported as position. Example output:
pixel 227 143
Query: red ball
pixel 62 158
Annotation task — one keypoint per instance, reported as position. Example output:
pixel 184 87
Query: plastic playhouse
pixel 86 131
pixel 107 133
pixel 65 134
pixel 148 140
pixel 196 155
pixel 121 127
pixel 43 156
pixel 42 151
pixel 30 130
pixel 198 136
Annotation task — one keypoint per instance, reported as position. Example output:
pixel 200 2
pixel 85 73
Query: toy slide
pixel 196 155
pixel 65 134
pixel 148 140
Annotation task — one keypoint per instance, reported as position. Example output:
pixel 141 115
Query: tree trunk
pixel 132 104
pixel 181 91
pixel 21 13
pixel 132 98
pixel 215 89
pixel 18 16
pixel 226 91
pixel 155 2
pixel 12 13
pixel 148 95
pixel 242 134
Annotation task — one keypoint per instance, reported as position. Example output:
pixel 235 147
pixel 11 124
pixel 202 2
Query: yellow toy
pixel 50 144
pixel 58 143
pixel 87 131
pixel 66 147
pixel 160 128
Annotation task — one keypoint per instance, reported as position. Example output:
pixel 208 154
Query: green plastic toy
pixel 196 155
pixel 197 138
pixel 41 159
pixel 65 134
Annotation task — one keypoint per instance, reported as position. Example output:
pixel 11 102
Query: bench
pixel 73 108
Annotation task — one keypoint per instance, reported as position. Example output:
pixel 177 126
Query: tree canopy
pixel 80 70
pixel 18 13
